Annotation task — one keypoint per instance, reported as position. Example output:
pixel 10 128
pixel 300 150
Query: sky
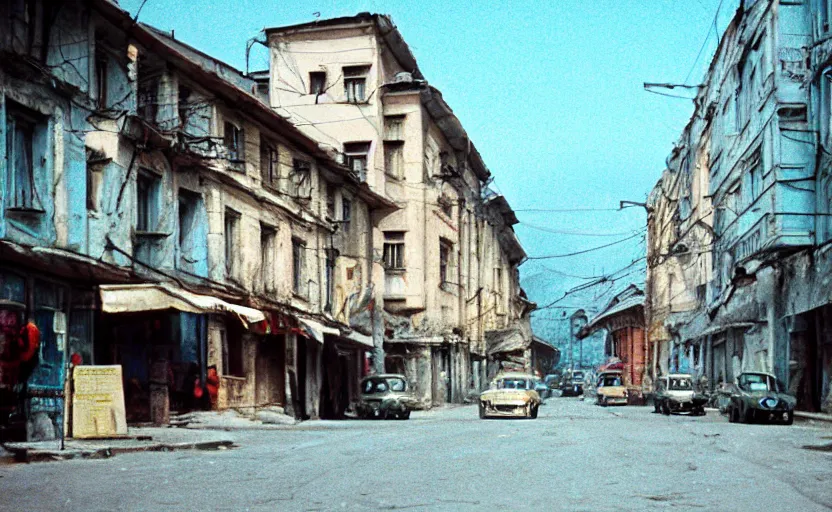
pixel 550 92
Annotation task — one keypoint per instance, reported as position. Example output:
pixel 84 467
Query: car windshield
pixel 578 375
pixel 756 382
pixel 611 380
pixel 382 385
pixel 512 383
pixel 680 384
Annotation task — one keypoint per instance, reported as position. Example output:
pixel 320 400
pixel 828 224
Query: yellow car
pixel 511 395
pixel 611 390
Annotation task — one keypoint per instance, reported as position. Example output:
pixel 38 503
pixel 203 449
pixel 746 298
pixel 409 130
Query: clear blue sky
pixel 550 92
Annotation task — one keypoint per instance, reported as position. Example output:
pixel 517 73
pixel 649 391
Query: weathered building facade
pixel 157 214
pixel 744 284
pixel 449 258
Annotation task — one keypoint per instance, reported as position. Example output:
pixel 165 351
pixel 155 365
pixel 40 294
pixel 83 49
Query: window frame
pixel 354 153
pixel 20 119
pixel 234 141
pixel 299 267
pixel 301 179
pixel 270 153
pixel 355 81
pixel 346 213
pixel 148 209
pixel 268 239
pixel 231 222
pixel 446 249
pixel 393 251
pixel 317 78
pixel 394 159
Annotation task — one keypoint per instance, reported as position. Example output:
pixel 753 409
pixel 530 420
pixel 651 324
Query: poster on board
pixel 98 402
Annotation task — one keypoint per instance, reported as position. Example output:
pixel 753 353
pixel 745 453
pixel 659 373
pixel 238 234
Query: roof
pixel 431 97
pixel 630 298
pixel 229 84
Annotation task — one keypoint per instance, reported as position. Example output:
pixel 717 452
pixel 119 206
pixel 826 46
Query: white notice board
pixel 98 402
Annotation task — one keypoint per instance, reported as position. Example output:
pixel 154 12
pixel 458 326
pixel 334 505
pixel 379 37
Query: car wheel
pixel 665 409
pixel 733 414
pixel 534 412
pixel 405 415
pixel 745 414
pixel 656 406
pixel 482 411
pixel 789 418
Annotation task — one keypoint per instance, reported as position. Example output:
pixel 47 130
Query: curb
pixel 29 455
pixel 813 416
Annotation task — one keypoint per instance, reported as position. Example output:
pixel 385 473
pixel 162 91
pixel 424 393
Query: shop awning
pixel 316 330
pixel 361 339
pixel 134 298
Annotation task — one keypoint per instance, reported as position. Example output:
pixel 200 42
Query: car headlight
pixel 768 402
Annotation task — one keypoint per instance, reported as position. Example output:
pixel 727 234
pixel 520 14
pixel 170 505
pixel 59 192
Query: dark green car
pixel 759 396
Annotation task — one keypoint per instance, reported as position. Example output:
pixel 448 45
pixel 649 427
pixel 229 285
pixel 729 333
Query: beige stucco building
pixel 448 256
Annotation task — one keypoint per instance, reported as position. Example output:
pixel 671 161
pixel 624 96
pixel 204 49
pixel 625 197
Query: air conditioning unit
pixel 402 77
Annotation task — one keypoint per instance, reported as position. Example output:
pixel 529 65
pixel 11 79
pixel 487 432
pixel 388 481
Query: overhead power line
pixel 576 253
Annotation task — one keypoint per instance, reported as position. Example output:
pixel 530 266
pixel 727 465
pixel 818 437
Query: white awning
pixel 134 298
pixel 361 339
pixel 317 330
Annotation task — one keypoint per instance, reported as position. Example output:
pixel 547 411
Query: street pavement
pixel 575 456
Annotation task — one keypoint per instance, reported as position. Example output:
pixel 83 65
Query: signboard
pixel 98 402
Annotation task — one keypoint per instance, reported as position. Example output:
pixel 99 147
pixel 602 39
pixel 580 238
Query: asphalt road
pixel 575 456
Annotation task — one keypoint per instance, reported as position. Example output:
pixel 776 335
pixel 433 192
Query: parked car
pixel 676 393
pixel 542 390
pixel 553 381
pixel 385 396
pixel 572 383
pixel 610 389
pixel 760 396
pixel 511 394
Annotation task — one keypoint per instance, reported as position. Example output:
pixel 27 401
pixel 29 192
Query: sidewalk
pixel 139 439
pixel 815 416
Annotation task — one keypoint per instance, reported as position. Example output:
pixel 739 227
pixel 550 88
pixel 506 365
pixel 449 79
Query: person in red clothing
pixel 212 384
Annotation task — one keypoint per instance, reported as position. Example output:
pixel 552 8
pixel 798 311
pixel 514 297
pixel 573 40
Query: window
pixel 498 289
pixel 95 170
pixel 21 127
pixel 183 106
pixel 267 238
pixel 394 128
pixel 317 82
pixel 394 159
pixel 729 120
pixel 188 238
pixel 329 279
pixel 234 141
pixel 330 201
pixel 356 158
pixel 445 253
pixel 100 75
pixel 346 213
pixel 446 205
pixel 146 101
pixel 301 179
pixel 269 163
pixel 394 250
pixel 147 201
pixel 299 266
pixel 355 83
pixel 232 355
pixel 755 178
pixel 232 223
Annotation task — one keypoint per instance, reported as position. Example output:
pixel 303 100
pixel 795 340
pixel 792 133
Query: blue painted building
pixel 737 272
pixel 156 214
